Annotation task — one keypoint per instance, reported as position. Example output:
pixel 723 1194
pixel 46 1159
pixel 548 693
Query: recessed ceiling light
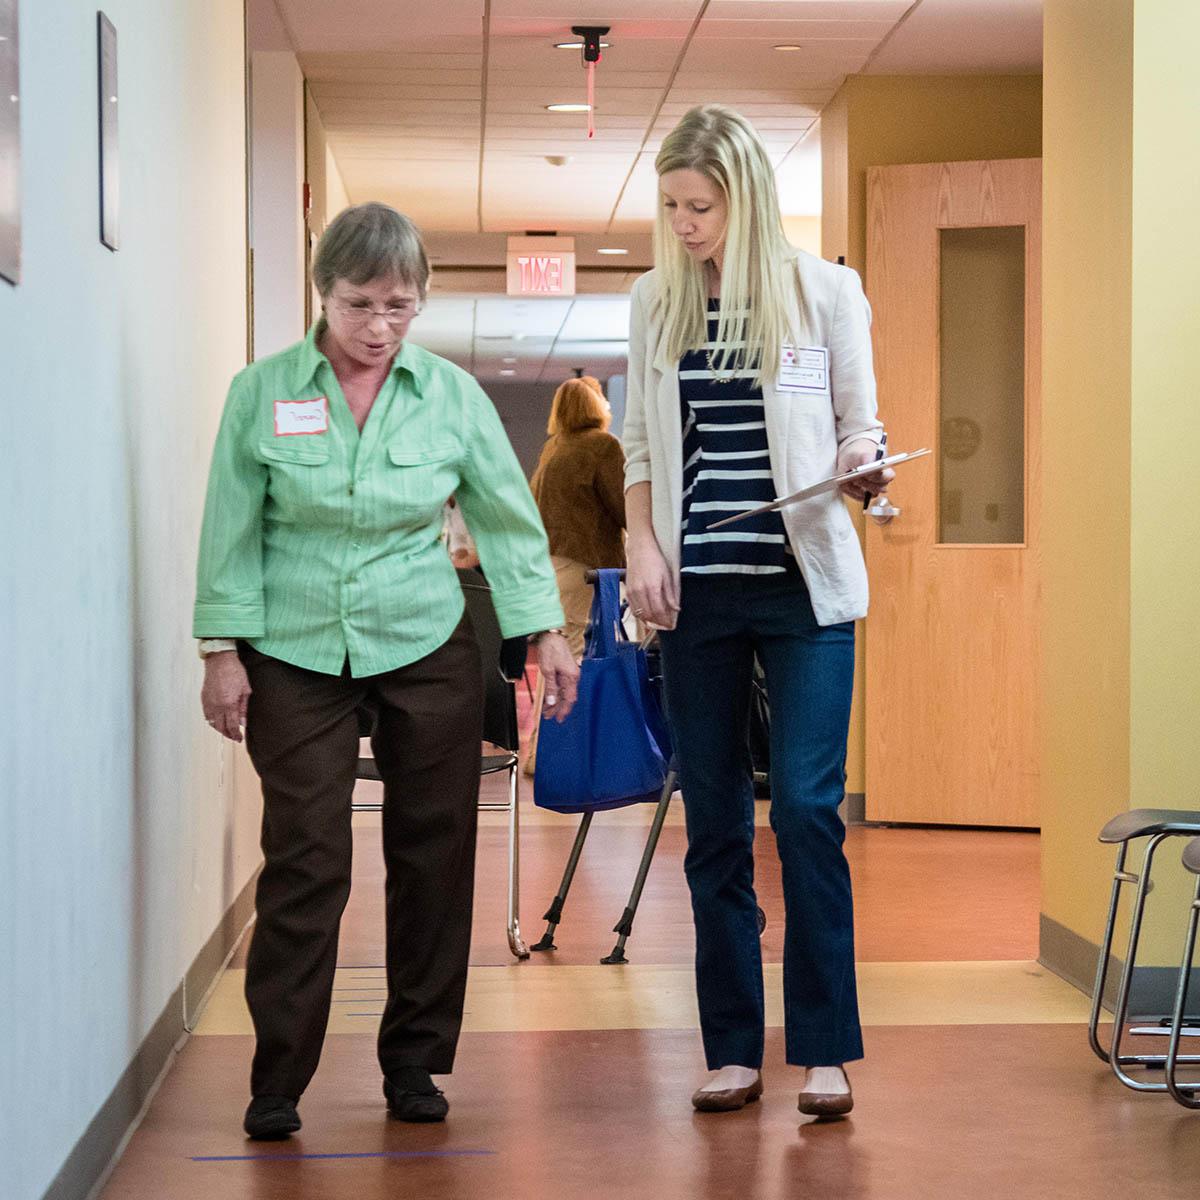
pixel 612 250
pixel 569 108
pixel 507 371
pixel 509 360
pixel 787 46
pixel 577 45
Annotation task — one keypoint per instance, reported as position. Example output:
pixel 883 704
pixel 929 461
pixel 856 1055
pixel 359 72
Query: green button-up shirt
pixel 320 542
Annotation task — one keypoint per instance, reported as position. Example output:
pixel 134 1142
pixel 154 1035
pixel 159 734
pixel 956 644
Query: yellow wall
pixel 891 119
pixel 1087 260
pixel 881 120
pixel 1122 373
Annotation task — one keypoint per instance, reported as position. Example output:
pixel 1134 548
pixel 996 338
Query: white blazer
pixel 805 430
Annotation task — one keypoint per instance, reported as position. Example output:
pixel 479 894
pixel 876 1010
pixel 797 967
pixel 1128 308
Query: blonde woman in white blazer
pixel 749 377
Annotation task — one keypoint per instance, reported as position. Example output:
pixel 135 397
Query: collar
pixel 309 360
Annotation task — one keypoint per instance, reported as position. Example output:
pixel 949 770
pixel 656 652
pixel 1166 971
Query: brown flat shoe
pixel 728 1099
pixel 826 1104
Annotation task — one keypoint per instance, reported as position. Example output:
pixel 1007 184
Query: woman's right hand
pixel 225 694
pixel 650 585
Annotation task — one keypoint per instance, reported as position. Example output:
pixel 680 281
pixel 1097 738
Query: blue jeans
pixel 724 621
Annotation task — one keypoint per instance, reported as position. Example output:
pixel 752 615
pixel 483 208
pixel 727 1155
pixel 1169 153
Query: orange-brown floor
pixel 576 1084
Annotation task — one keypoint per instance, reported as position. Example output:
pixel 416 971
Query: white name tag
pixel 803 369
pixel 301 416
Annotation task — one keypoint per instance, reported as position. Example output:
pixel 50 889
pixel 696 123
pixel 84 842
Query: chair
pixel 1187 1094
pixel 1157 824
pixel 499 728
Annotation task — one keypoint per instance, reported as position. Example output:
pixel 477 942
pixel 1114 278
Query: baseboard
pixel 208 964
pixel 94 1155
pixel 1073 958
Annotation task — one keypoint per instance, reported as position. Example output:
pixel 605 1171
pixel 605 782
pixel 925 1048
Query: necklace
pixel 716 376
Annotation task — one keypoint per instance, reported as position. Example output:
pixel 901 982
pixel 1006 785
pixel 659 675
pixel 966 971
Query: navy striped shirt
pixel 726 468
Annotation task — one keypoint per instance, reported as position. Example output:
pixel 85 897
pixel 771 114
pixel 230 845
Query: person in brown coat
pixel 579 486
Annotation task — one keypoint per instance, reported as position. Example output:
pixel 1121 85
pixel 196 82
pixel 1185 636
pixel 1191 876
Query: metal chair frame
pixel 1186 1094
pixel 1158 825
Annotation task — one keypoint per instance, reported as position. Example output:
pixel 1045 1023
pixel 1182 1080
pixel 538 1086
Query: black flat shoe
pixel 270 1118
pixel 412 1096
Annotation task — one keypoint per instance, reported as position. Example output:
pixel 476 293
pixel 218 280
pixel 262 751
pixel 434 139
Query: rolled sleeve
pixel 633 434
pixel 852 373
pixel 500 511
pixel 229 574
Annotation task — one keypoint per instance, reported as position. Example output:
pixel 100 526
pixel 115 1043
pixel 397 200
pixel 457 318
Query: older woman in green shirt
pixel 323 585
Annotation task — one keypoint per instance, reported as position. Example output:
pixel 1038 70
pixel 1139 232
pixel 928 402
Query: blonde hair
pixel 577 406
pixel 757 277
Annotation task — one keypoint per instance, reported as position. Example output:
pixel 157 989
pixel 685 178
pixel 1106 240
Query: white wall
pixel 277 228
pixel 121 843
pixel 336 195
pixel 329 195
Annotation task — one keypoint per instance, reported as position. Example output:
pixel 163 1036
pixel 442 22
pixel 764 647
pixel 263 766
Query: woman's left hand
pixel 560 673
pixel 854 455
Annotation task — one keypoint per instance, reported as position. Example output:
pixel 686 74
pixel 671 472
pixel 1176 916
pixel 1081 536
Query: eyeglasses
pixel 355 313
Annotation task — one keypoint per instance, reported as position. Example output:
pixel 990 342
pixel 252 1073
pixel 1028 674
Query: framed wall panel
pixel 10 142
pixel 110 161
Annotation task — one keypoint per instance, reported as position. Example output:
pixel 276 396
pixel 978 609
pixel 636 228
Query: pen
pixel 878 455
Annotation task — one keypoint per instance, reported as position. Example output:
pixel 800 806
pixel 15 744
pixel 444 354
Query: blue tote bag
pixel 614 748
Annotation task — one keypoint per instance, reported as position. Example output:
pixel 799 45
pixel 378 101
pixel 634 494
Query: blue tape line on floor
pixel 365 1154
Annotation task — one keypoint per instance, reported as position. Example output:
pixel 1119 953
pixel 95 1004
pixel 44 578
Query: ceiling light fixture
pixel 568 108
pixel 509 360
pixel 578 45
pixel 612 250
pixel 787 46
pixel 507 371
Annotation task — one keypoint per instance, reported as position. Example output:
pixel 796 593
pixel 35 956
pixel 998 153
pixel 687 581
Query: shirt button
pixel 352 489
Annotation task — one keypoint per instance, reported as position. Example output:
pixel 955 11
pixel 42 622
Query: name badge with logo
pixel 803 369
pixel 301 416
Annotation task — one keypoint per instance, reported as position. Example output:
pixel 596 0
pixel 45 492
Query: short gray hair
pixel 367 242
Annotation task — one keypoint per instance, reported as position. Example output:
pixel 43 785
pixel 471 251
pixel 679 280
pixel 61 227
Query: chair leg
pixel 1120 876
pixel 515 942
pixel 1118 1061
pixel 624 927
pixel 554 912
pixel 1186 1094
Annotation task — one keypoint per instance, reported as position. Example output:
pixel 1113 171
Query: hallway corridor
pixel 562 1090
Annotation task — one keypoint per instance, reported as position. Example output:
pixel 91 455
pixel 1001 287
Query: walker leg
pixel 555 911
pixel 515 942
pixel 624 927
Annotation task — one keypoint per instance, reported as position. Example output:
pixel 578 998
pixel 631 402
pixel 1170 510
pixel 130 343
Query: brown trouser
pixel 302 733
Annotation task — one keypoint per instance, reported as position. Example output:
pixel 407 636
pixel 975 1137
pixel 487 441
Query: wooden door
pixel 954 280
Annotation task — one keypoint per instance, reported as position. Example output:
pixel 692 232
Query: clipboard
pixel 825 485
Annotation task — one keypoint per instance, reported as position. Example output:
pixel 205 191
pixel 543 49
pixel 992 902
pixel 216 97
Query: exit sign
pixel 541 266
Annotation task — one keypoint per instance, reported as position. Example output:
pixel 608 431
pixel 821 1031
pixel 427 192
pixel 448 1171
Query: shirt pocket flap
pixel 302 451
pixel 404 455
